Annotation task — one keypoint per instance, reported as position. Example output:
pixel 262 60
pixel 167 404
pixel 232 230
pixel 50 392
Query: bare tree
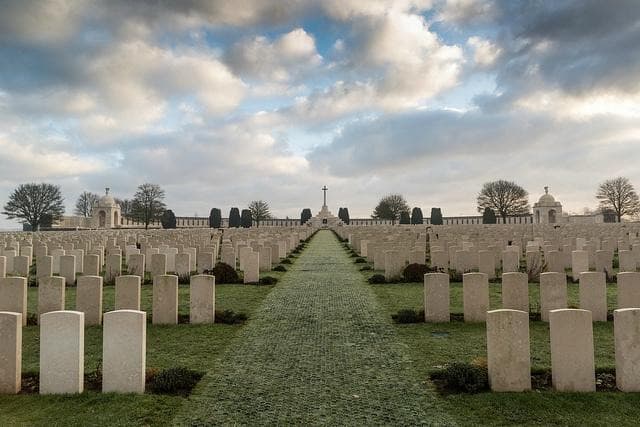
pixel 126 207
pixel 148 204
pixel 85 203
pixel 259 211
pixel 35 203
pixel 506 198
pixel 390 207
pixel 618 195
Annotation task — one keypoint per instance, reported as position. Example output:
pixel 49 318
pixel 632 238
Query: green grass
pixel 198 347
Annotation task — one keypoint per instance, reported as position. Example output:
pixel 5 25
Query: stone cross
pixel 324 189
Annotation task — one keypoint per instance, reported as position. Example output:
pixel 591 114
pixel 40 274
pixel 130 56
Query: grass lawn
pixel 194 346
pixel 433 345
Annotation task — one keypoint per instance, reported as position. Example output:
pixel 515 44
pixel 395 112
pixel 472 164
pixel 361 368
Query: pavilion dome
pixel 106 201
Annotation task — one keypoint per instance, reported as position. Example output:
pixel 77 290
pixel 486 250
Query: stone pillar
pixel 510 261
pixel 113 268
pixel 593 294
pixel 475 296
pixel 392 265
pixel 205 262
pixel 626 328
pixel 13 296
pixel 508 358
pixel 51 294
pixel 92 265
pixel 202 299
pixel 165 300
pixel 135 267
pixel 515 291
pixel 89 299
pixel 128 293
pixel 436 298
pixel 628 290
pixel 61 352
pixel 10 352
pixel 553 293
pixel 572 360
pixel 124 351
pixel 252 267
pixel 579 263
pixel 68 269
pixel 158 265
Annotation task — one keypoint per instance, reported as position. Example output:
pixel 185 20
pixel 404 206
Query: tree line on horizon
pixel 40 205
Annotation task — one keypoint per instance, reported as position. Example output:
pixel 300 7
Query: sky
pixel 224 102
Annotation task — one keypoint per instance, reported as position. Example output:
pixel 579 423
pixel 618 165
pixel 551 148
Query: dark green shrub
pixel 455 276
pixel 229 317
pixel 286 261
pixel 377 279
pixel 279 268
pixel 224 273
pixel 176 381
pixel 461 377
pixel 408 316
pixel 360 261
pixel 415 272
pixel 268 280
pixel 366 268
pixel 168 219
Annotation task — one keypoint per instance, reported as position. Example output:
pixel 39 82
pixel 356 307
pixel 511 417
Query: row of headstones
pixel 515 294
pixel 51 297
pixel 124 340
pixel 572 350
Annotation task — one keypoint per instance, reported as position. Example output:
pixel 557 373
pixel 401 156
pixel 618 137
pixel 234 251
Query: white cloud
pixel 485 52
pixel 280 60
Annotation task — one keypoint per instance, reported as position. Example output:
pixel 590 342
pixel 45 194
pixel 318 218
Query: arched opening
pixel 102 219
pixel 552 216
pixel 116 220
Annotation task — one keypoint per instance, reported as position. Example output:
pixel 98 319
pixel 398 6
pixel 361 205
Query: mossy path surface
pixel 318 351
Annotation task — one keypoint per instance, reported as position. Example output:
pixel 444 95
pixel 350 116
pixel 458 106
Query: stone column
pixel 593 294
pixel 51 294
pixel 13 296
pixel 626 328
pixel 124 351
pixel 202 299
pixel 89 299
pixel 128 293
pixel 508 358
pixel 515 291
pixel 475 296
pixel 572 360
pixel 165 300
pixel 10 352
pixel 553 293
pixel 61 352
pixel 628 284
pixel 436 298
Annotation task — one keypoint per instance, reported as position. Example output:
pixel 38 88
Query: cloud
pixel 281 60
pixel 485 52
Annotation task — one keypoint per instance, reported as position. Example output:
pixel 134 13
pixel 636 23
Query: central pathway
pixel 318 351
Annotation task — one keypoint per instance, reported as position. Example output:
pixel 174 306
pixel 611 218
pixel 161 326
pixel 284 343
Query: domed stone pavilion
pixel 106 212
pixel 547 210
